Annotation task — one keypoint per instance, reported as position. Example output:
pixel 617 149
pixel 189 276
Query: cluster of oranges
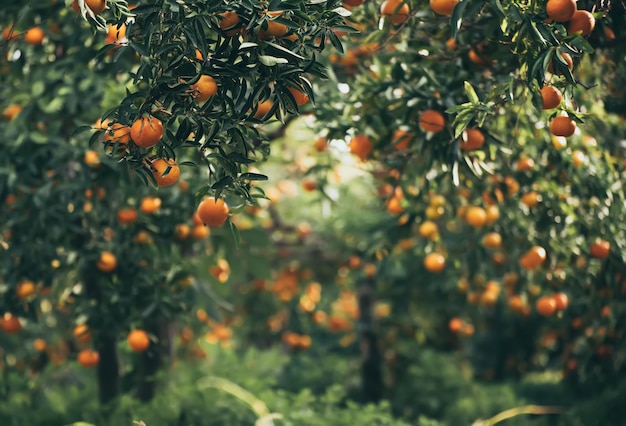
pixel 286 286
pixel 296 341
pixel 145 132
pixel 138 341
pixel 566 11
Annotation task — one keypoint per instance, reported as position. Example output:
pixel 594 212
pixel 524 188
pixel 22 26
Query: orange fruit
pixel 305 342
pixel 92 158
pixel 517 304
pixel 428 229
pixel 361 146
pixel 107 262
pixel 200 232
pixel 455 325
pixel 434 262
pixel 309 185
pixel 39 345
pixel 10 324
pixel 477 59
pixel 146 131
pixel 82 333
pixel 394 205
pixel 396 10
pixel 196 220
pixel 561 301
pixel 492 240
pixel 127 215
pixel 263 108
pixel 115 34
pixel 546 306
pixel 201 315
pixel 524 164
pixel 300 97
pixel 562 126
pixel 138 340
pixel 274 29
pixel 609 33
pixel 117 132
pixel 88 358
pixel 443 7
pixel 162 166
pixel 101 124
pixel 451 44
pixel 437 200
pixel 578 158
pixel 561 10
pixel 9 33
pixel 550 97
pixel 476 216
pixel 533 258
pixel 96 6
pixel 229 20
pixel 355 262
pixel 512 185
pixel 34 36
pixel 401 139
pixel 432 121
pixel 204 88
pixel 150 205
pixel 472 139
pixel 531 199
pixel 25 289
pixel 583 22
pixel 320 144
pixel 10 112
pixel 600 249
pixel 182 231
pixel 213 212
pixel 489 297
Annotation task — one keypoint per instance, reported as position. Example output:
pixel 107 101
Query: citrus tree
pixel 100 230
pixel 489 129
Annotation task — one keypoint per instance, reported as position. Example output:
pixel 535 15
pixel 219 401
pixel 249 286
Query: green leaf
pixel 461 121
pixel 456 20
pixel 235 232
pixel 334 40
pixel 498 7
pixel 282 49
pixel 81 129
pixel 540 37
pixel 142 50
pixel 270 61
pixel 253 176
pixel 471 93
pixel 222 183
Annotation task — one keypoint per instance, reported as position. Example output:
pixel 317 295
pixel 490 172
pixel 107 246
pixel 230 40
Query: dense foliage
pixel 440 236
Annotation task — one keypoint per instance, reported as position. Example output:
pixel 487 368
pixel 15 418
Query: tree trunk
pixel 152 360
pixel 108 368
pixel 371 367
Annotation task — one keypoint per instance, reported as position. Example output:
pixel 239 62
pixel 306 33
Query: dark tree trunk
pixel 108 368
pixel 371 367
pixel 152 360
